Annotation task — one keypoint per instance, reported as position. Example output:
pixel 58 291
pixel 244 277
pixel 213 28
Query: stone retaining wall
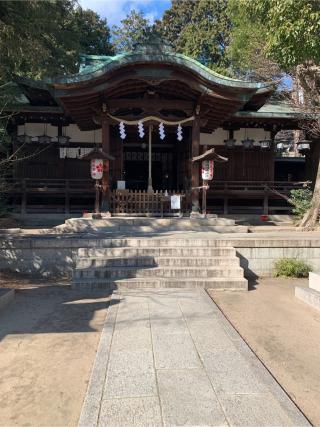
pixel 55 256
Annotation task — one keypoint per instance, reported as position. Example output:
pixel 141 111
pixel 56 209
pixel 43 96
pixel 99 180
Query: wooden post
pixel 23 197
pixel 225 200
pixel 67 197
pixel 105 130
pixel 150 187
pixel 204 197
pixel 97 197
pixel 265 202
pixel 195 167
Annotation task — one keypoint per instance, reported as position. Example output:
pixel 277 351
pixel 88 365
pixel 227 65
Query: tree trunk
pixel 310 218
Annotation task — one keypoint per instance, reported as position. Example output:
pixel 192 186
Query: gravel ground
pixel 48 340
pixel 285 334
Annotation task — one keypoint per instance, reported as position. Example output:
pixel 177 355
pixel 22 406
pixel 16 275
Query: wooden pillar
pixel 265 202
pixel 105 131
pixel 23 197
pixel 150 187
pixel 195 149
pixel 67 197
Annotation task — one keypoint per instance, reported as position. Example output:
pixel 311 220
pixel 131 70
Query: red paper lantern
pixel 207 170
pixel 96 168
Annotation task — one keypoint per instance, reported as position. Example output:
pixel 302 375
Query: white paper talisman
pixel 175 202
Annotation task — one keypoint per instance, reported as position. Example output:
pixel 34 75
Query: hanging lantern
pixel 122 130
pixel 303 146
pixel 247 143
pixel 140 129
pixel 230 143
pixel 179 133
pixel 24 139
pixel 44 139
pixel 207 168
pixel 265 144
pixel 96 167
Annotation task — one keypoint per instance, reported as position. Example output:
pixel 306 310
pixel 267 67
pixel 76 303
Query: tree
pixel 45 38
pixel 134 29
pixel 200 30
pixel 288 35
pixel 94 33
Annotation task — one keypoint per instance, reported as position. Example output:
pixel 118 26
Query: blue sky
pixel 116 10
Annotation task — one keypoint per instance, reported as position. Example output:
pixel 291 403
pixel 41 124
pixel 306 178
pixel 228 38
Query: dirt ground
pixel 48 340
pixel 285 334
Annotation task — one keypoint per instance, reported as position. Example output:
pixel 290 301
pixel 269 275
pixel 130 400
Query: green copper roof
pixel 94 66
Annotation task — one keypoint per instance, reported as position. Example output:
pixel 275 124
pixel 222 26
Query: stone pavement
pixel 169 357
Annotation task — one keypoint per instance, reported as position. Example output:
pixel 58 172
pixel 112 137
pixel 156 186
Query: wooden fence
pixel 136 202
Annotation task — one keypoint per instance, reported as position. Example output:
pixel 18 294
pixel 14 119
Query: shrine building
pixel 150 112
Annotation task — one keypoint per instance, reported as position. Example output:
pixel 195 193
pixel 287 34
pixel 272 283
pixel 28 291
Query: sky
pixel 116 10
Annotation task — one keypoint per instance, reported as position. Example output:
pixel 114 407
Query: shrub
pixel 301 201
pixel 291 268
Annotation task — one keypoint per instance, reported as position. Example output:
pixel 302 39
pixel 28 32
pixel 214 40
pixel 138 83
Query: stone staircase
pixel 159 262
pixel 150 225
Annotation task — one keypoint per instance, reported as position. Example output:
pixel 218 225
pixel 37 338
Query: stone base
pixel 314 281
pixel 309 296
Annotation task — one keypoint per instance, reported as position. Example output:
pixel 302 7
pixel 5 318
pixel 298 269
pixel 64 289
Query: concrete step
pixel 229 283
pixel 151 261
pixel 309 296
pixel 156 272
pixel 155 251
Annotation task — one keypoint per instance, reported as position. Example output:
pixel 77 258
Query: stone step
pixel 151 261
pixel 229 283
pixel 152 222
pixel 314 281
pixel 156 251
pixel 162 272
pixel 309 296
pixel 149 229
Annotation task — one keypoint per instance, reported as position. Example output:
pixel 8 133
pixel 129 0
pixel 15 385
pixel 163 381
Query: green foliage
pixel 284 31
pixel 287 267
pixel 301 201
pixel 134 29
pixel 45 38
pixel 199 29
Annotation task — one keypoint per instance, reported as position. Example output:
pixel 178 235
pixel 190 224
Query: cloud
pixel 116 10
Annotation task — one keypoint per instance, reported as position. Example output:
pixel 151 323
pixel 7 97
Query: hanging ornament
pixel 140 129
pixel 179 133
pixel 122 130
pixel 161 131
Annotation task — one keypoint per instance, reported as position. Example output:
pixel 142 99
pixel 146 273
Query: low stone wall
pixel 55 256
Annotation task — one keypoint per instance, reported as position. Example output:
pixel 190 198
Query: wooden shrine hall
pixel 150 111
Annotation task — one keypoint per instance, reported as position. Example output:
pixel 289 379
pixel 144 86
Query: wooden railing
pixel 76 195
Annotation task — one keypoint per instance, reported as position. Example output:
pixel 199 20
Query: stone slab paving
pixel 169 357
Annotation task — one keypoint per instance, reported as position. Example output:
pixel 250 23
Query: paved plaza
pixel 169 357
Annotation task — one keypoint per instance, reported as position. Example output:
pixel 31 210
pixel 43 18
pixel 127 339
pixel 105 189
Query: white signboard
pixel 121 185
pixel 175 202
pixel 207 170
pixel 96 168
